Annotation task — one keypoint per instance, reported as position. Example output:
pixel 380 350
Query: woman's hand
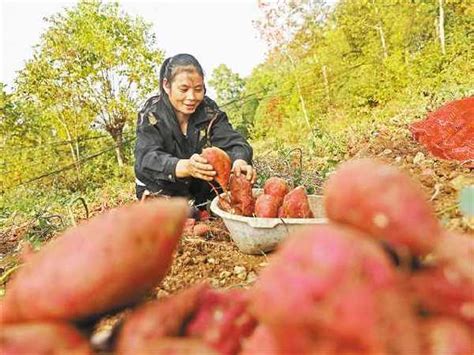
pixel 241 166
pixel 197 167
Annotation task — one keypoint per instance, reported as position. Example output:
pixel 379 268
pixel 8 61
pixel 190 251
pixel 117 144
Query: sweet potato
pixel 266 206
pixel 222 320
pixel 447 336
pixel 172 346
pixel 42 338
pixel 107 262
pixel 383 202
pixel 296 204
pixel 241 197
pixel 221 163
pixel 444 291
pixel 276 187
pixel 331 282
pixel 158 319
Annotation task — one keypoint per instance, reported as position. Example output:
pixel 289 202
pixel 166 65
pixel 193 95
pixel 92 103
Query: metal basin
pixel 254 235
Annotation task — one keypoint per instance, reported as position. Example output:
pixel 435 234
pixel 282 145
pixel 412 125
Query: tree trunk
pixel 441 27
pixel 300 92
pixel 119 147
pixel 379 28
pixel 326 84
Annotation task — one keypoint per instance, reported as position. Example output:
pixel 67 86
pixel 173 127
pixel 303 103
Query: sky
pixel 214 31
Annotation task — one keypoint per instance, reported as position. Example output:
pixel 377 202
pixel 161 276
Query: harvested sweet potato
pixel 276 187
pixel 102 264
pixel 172 346
pixel 383 202
pixel 158 319
pixel 444 291
pixel 267 206
pixel 222 320
pixel 42 338
pixel 221 163
pixel 447 336
pixel 330 282
pixel 241 197
pixel 296 204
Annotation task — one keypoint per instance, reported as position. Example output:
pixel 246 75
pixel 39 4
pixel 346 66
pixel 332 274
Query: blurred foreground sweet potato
pixel 241 197
pixel 383 202
pixel 221 163
pixel 276 187
pixel 42 338
pixel 104 263
pixel 331 283
pixel 172 346
pixel 296 204
pixel 447 336
pixel 267 206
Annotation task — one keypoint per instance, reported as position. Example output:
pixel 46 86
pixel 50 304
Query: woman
pixel 172 130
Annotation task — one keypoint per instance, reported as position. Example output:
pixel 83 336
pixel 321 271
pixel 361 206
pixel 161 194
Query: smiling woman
pixel 175 126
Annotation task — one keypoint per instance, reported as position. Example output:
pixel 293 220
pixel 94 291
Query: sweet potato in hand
pixel 266 206
pixel 296 204
pixel 383 202
pixel 221 163
pixel 42 338
pixel 104 263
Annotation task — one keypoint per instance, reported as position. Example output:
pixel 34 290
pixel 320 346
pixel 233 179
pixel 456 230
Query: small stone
pixel 224 274
pixel 239 269
pixel 211 261
pixel 419 157
pixel 251 277
pixel 398 159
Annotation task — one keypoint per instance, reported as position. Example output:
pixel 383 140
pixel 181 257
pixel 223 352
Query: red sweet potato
pixel 383 202
pixel 221 163
pixel 104 263
pixel 172 346
pixel 296 204
pixel 242 200
pixel 444 291
pixel 42 338
pixel 158 319
pixel 447 336
pixel 266 206
pixel 276 187
pixel 331 282
pixel 222 320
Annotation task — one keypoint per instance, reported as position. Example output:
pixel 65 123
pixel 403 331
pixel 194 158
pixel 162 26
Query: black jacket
pixel 160 142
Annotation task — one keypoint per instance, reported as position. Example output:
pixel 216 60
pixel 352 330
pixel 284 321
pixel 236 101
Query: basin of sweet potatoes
pixel 254 235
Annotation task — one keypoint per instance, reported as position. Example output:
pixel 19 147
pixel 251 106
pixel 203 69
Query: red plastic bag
pixel 448 132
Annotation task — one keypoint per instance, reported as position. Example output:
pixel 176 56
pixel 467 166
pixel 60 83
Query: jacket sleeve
pixel 232 142
pixel 151 159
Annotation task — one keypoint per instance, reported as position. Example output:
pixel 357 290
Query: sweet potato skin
pixel 276 187
pixel 106 262
pixel 221 163
pixel 42 338
pixel 266 206
pixel 158 319
pixel 172 346
pixel 382 201
pixel 296 204
pixel 241 196
pixel 447 336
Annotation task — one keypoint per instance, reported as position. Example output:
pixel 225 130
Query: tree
pixel 228 85
pixel 93 65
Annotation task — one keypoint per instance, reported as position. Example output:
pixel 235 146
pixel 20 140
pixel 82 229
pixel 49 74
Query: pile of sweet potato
pixel 345 287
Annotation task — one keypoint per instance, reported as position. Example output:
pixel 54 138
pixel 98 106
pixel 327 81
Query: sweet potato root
pixel 267 206
pixel 384 202
pixel 42 338
pixel 105 263
pixel 296 204
pixel 221 163
pixel 158 319
pixel 331 282
pixel 276 187
pixel 241 197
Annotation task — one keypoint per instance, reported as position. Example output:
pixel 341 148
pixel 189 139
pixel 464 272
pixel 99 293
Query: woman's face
pixel 185 92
